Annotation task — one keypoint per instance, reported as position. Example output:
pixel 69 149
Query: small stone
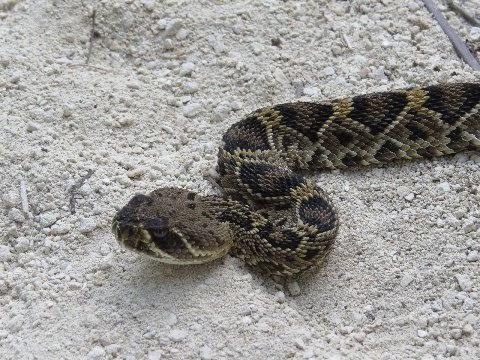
pixel 444 187
pixel 150 334
pixel 406 280
pixel 154 355
pixel 345 330
pixel 5 253
pixel 222 110
pixel 173 26
pixel 22 245
pixel 47 219
pixel 205 353
pixel 177 335
pixel 473 256
pixel 410 197
pixel 171 319
pixel 16 215
pixel 300 344
pixel 293 288
pixel 96 353
pixel 86 225
pixel 310 91
pixel 191 110
pixel 464 282
pixel 191 87
pixel 467 329
pixel 32 126
pixel 475 33
pixel 181 34
pixel 280 297
pixel 422 334
pixel 456 333
pixel 470 225
pixel 186 69
pixel 451 350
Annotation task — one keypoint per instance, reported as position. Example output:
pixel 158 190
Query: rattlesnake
pixel 274 218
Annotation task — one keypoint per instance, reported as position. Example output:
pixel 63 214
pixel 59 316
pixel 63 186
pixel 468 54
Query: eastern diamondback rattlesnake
pixel 272 217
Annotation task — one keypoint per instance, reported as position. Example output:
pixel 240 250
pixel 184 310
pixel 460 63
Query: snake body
pixel 271 216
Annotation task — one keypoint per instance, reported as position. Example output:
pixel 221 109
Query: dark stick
pixel 460 47
pixel 92 36
pixel 75 187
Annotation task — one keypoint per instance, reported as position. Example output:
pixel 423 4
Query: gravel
pixel 163 83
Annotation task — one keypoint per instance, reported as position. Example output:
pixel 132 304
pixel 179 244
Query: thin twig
pixel 92 36
pixel 460 47
pixel 464 13
pixel 75 187
pixel 24 198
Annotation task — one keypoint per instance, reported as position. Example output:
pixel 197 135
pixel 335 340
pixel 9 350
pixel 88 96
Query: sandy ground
pixel 164 82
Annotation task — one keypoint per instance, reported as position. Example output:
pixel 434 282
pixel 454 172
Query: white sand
pixel 403 280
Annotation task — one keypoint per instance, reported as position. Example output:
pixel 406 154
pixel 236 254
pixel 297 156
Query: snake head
pixel 173 226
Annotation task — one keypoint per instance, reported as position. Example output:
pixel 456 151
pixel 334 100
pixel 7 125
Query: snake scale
pixel 270 215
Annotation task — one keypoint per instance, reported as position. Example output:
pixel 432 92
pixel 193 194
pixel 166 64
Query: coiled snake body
pixel 274 218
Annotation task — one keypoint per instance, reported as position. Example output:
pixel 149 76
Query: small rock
pixel 86 225
pixel 173 26
pixel 470 225
pixel 444 187
pixel 406 280
pixel 22 245
pixel 456 333
pixel 186 69
pixel 475 33
pixel 300 344
pixel 171 319
pixel 47 219
pixel 467 329
pixel 310 91
pixel 222 110
pixel 32 126
pixel 451 350
pixel 473 256
pixel 154 355
pixel 464 282
pixel 280 297
pixel 177 335
pixel 5 253
pixel 410 197
pixel 422 334
pixel 191 87
pixel 96 352
pixel 293 288
pixel 191 110
pixel 16 215
pixel 205 353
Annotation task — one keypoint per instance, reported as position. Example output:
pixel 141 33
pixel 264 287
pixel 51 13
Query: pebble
pixel 16 215
pixel 191 87
pixel 222 110
pixel 186 69
pixel 205 353
pixel 5 253
pixel 177 335
pixel 456 333
pixel 300 344
pixel 191 109
pixel 310 91
pixel 293 288
pixel 475 33
pixel 410 197
pixel 451 350
pixel 86 225
pixel 464 282
pixel 173 26
pixel 467 329
pixel 171 319
pixel 422 334
pixel 47 219
pixel 470 225
pixel 280 297
pixel 473 256
pixel 154 355
pixel 444 187
pixel 96 353
pixel 32 126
